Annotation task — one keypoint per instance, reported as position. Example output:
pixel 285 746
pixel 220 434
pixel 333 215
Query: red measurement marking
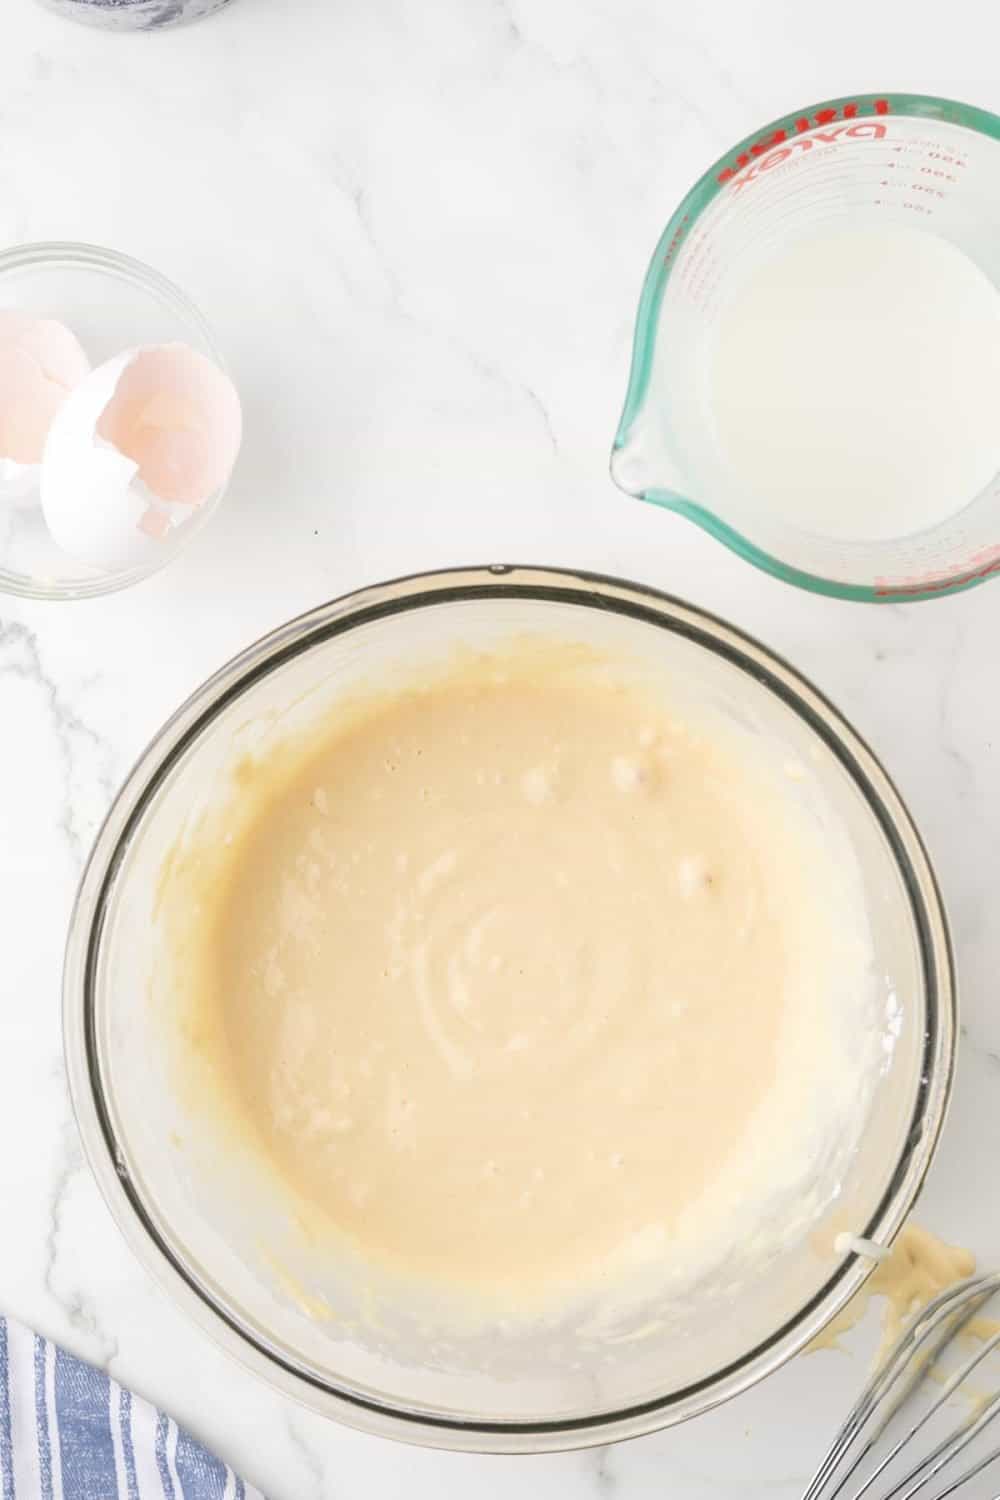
pixel 675 239
pixel 982 565
pixel 759 147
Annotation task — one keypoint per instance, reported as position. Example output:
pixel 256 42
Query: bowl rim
pixel 96 893
pixel 80 255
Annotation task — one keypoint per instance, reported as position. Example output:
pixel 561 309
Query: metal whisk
pixel 904 1437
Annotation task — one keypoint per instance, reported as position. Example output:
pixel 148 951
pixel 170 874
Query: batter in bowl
pixel 523 980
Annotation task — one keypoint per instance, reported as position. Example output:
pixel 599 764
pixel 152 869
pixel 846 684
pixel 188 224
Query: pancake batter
pixel 522 981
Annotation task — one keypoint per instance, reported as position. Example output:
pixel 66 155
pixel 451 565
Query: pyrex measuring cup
pixel 890 160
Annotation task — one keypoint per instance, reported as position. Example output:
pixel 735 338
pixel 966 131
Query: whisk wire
pixel 890 1389
pixel 945 1451
pixel 948 1390
pixel 973 1473
pixel 930 1333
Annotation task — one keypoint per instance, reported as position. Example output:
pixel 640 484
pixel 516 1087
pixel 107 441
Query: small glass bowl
pixel 112 303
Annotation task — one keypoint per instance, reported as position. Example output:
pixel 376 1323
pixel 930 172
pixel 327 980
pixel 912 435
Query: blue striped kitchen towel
pixel 70 1432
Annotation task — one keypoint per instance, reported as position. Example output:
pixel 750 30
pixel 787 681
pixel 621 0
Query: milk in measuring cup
pixel 854 382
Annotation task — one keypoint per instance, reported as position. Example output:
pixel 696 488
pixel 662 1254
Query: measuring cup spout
pixel 642 464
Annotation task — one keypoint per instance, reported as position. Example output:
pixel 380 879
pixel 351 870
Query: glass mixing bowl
pixel 197 1221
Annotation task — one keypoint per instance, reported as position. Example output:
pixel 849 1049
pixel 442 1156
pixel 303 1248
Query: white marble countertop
pixel 419 232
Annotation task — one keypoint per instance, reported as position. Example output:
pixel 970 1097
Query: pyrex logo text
pixel 771 150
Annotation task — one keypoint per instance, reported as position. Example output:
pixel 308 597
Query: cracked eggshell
pixel 40 363
pixel 147 438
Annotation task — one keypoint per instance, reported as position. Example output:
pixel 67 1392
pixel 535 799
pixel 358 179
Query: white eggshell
pixel 18 481
pixel 94 500
pixel 40 363
pixel 86 485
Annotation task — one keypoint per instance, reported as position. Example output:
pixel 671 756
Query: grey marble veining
pixel 420 234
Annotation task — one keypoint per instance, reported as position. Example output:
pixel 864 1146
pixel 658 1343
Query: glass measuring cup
pixel 902 160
